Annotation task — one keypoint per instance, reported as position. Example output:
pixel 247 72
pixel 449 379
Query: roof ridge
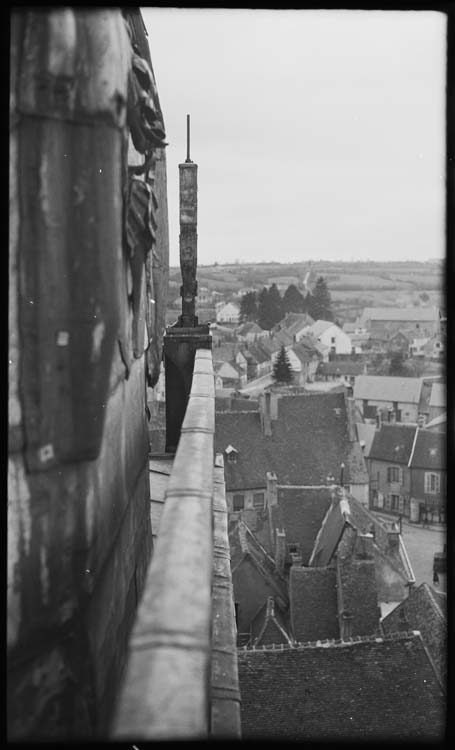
pixel 338 642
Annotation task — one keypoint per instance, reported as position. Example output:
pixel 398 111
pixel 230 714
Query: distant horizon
pixel 317 129
pixel 313 261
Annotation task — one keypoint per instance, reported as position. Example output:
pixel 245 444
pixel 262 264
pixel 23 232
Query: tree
pixel 293 300
pixel 282 371
pixel 249 307
pixel 397 365
pixel 270 309
pixel 320 302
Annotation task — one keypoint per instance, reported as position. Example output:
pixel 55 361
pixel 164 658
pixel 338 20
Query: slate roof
pixel 257 353
pixel 438 396
pixel 425 610
pixel 370 689
pixel 313 603
pixel 300 512
pixel 283 337
pixel 393 443
pixel 416 314
pixel 309 441
pixel 429 451
pixel 358 594
pixel 388 388
pixel 228 403
pixel 304 353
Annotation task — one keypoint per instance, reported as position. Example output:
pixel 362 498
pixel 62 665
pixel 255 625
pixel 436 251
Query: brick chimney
pixel 280 550
pixel 271 492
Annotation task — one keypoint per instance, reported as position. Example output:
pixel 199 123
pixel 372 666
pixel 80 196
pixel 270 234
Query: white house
pixel 331 335
pixel 228 313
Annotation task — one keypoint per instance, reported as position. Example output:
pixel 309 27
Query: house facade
pixel 331 336
pixel 390 476
pixel 227 313
pixel 401 396
pixel 428 476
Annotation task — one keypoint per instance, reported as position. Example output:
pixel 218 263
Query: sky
pixel 318 134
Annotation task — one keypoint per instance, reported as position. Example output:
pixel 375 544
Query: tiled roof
pixel 423 610
pixel 309 441
pixel 370 689
pixel 304 353
pixel 401 313
pixel 300 512
pixel 438 395
pixel 313 599
pixel 258 354
pixel 270 626
pixel 429 451
pixel 388 388
pixel 359 595
pixel 157 439
pixel 269 345
pixel 341 367
pixel 393 442
pixel 294 322
pixel 319 326
pixel 250 327
pixel 282 337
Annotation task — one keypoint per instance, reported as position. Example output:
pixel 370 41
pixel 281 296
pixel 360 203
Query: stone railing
pixel 181 681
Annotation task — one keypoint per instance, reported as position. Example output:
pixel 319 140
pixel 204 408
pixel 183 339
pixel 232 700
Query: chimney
pixel 271 492
pixel 270 607
pixel 378 420
pixel 280 550
pixel 265 413
pixel 350 413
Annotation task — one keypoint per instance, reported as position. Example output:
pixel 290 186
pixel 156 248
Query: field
pixel 352 285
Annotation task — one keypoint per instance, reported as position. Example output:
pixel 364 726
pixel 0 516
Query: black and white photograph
pixel 229 234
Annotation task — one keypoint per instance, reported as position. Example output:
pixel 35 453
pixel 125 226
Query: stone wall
pixel 79 534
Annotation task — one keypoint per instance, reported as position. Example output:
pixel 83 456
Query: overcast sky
pixel 319 134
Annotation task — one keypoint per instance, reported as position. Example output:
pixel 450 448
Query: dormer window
pixel 231 454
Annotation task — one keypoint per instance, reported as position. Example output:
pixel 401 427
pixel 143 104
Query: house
pixel 295 325
pixel 228 375
pixel 388 459
pixel 258 361
pixel 204 297
pixel 384 321
pixel 398 342
pixel 428 479
pixel 303 359
pixel 250 332
pixel 341 369
pixel 304 439
pixel 331 336
pixel 371 688
pixel 399 395
pixel 228 312
pixel 424 610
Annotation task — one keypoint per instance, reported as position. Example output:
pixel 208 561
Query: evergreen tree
pixel 282 372
pixel 249 307
pixel 320 302
pixel 293 300
pixel 270 310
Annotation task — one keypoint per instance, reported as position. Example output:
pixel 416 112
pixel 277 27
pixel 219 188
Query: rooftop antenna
pixel 188 140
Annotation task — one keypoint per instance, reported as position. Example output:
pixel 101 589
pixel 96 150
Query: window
pixel 395 502
pixel 258 500
pixel 239 502
pixel 332 340
pixel 393 474
pixel 432 483
pixel 293 548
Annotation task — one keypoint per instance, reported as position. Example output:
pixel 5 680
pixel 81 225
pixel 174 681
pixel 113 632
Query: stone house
pixel 428 477
pixel 390 476
pixel 398 395
pixel 384 321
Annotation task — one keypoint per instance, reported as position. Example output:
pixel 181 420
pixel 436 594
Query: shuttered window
pixel 432 483
pixel 394 474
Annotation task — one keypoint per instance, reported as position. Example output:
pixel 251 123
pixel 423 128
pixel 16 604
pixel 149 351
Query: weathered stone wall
pixel 79 535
